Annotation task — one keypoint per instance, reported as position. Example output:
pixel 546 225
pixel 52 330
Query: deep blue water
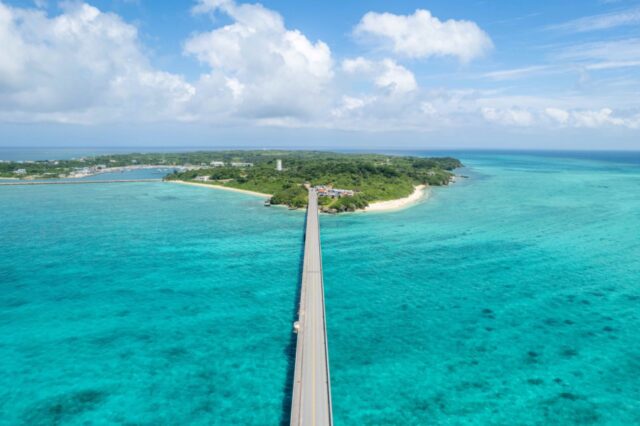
pixel 509 298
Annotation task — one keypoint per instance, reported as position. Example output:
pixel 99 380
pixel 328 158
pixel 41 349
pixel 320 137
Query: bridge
pixel 311 401
pixel 77 182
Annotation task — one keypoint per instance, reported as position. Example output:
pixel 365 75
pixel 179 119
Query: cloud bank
pixel 86 66
pixel 81 66
pixel 264 70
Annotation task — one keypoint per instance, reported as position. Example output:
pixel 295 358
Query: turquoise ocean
pixel 509 298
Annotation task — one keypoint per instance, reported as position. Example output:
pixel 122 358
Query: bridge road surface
pixel 311 401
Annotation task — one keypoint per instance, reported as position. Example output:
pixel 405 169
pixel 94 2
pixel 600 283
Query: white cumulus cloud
pixel 386 74
pixel 271 71
pixel 80 66
pixel 423 35
pixel 557 114
pixel 569 118
pixel 508 116
pixel 592 118
pixel 597 118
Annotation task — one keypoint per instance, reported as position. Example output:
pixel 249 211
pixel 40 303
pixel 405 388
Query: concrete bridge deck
pixel 311 401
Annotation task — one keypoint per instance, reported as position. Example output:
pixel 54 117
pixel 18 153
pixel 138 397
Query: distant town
pixel 51 169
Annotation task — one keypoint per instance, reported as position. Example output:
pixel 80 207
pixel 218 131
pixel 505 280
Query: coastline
pixel 420 192
pixel 226 188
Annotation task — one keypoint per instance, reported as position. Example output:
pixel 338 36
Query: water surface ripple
pixel 510 298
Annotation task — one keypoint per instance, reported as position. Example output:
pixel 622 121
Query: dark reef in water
pixel 63 408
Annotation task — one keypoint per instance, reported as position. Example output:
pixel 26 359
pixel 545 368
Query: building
pixel 328 191
pixel 279 165
pixel 80 172
pixel 217 163
pixel 321 190
pixel 242 164
pixel 202 178
pixel 337 193
pixel 20 172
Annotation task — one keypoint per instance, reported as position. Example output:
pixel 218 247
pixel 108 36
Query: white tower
pixel 279 165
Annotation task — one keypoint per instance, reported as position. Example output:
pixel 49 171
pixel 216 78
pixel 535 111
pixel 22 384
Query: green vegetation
pixel 61 168
pixel 373 177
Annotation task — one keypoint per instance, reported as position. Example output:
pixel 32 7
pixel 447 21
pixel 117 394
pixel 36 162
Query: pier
pixel 78 182
pixel 311 400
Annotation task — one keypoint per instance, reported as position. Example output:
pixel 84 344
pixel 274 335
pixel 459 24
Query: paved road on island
pixel 311 402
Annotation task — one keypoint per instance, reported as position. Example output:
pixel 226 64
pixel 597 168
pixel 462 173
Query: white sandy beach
pixel 418 194
pixel 226 188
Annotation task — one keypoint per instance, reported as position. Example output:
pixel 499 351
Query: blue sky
pixel 354 74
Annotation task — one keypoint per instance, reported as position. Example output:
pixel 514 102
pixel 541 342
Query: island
pixel 345 181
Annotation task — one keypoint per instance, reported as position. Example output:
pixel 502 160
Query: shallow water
pixel 144 304
pixel 508 298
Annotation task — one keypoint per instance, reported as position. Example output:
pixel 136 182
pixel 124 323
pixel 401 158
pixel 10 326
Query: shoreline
pixel 420 192
pixel 225 188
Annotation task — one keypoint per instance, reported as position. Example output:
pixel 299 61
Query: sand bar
pixel 226 188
